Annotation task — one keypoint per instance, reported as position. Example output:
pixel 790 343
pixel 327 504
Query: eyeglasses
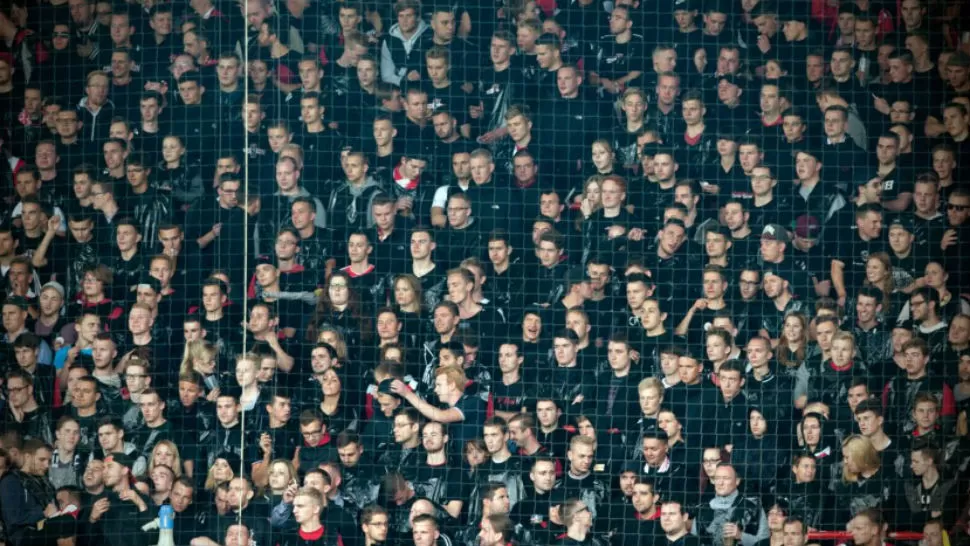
pixel 16 390
pixel 62 35
pixel 958 208
pixel 316 432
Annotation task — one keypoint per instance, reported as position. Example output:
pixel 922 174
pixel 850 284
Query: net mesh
pixel 533 272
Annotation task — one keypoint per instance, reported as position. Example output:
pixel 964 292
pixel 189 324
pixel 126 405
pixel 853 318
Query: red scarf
pixel 406 183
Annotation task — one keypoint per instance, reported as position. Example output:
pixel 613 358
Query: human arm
pixel 284 361
pixel 684 325
pixel 837 272
pixel 389 72
pixel 450 415
pixel 39 258
pixel 900 203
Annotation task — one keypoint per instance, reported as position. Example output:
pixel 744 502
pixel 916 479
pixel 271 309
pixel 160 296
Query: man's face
pixel 84 395
pixel 82 13
pixel 287 177
pixel 13 318
pixel 310 74
pixel 580 458
pixel 354 168
pixel 899 70
pixel 416 105
pixel 688 369
pixel 358 248
pixel 287 245
pixel 26 184
pixel 957 210
pixel 500 51
pixel 668 87
pixel 671 519
pixel 725 481
pixel 955 122
pixel 568 81
pixel 767 25
pixel 564 351
pixel 444 125
pixel 842 64
pixel 32 216
pixel 383 132
pixel 191 92
pixel 730 383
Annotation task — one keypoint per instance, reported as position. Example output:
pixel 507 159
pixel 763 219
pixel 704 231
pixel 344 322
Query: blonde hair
pixel 289 468
pixel 861 451
pixel 455 375
pixel 197 350
pixel 210 479
pixel 340 345
pixel 176 458
pixel 842 335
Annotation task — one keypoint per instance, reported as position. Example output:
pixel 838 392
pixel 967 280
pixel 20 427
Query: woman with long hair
pixel 793 351
pixel 222 471
pixel 281 474
pixel 590 201
pixel 710 458
pixel 879 274
pixel 182 177
pixel 862 484
pixel 339 307
pixel 166 453
pixel 200 356
pixel 340 410
pixel 409 307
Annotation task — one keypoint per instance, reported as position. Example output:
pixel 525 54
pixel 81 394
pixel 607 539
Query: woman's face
pixel 330 337
pixel 805 470
pixel 793 329
pixel 221 471
pixel 474 456
pixel 164 455
pixel 812 431
pixel 339 291
pixel 711 459
pixel 245 373
pixel 172 150
pixel 849 464
pixel 593 193
pixel 773 71
pixel 757 424
pixel 876 271
pixel 403 293
pixel 204 365
pixel 279 477
pixel 331 383
pixel 602 157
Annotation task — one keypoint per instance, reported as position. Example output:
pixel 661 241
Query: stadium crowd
pixel 574 273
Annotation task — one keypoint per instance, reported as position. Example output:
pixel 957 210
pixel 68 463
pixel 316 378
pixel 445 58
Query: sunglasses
pixel 958 208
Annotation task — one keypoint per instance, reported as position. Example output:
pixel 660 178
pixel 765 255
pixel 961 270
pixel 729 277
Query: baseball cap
pixel 150 282
pixel 775 232
pixel 121 458
pixel 54 285
pixel 904 222
pixel 264 260
pixel 807 227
